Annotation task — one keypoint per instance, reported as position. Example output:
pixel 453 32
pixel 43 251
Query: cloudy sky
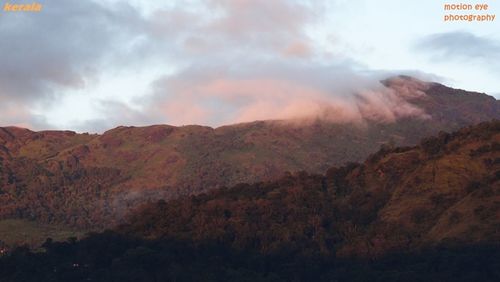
pixel 91 65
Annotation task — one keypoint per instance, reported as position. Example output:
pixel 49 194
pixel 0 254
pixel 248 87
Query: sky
pixel 90 66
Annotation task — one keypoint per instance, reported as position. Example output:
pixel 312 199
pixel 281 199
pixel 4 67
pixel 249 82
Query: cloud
pixel 63 47
pixel 459 45
pixel 112 114
pixel 15 114
pixel 266 24
pixel 228 61
pixel 227 30
pixel 254 60
pixel 282 90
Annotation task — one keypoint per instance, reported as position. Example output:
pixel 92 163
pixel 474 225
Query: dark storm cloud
pixel 459 45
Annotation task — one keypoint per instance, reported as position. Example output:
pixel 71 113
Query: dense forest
pixel 423 213
pixel 113 257
pixel 445 189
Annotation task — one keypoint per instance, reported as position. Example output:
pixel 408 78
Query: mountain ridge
pixel 107 174
pixel 445 189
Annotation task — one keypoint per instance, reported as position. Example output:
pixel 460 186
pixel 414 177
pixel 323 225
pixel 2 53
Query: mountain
pixel 429 212
pixel 446 189
pixel 92 180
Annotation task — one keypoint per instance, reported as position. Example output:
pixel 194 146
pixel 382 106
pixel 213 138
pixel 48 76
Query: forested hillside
pixel 425 213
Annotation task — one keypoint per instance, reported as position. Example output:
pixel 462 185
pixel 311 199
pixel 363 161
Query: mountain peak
pixel 407 83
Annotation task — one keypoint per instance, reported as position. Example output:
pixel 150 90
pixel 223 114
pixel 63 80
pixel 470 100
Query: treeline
pixel 73 197
pixel 113 257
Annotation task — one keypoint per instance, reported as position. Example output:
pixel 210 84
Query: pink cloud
pixel 183 111
pixel 18 114
pixel 297 49
pixel 189 98
pixel 225 27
